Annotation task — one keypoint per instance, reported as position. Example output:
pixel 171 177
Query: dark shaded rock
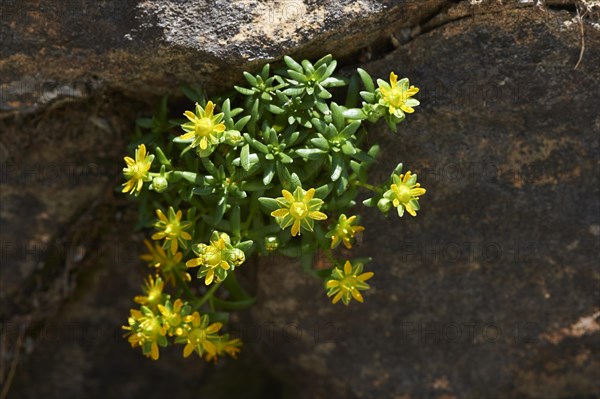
pixel 81 353
pixel 56 49
pixel 492 291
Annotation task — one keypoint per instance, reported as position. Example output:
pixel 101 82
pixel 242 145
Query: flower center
pixel 197 336
pixel 204 127
pixel 138 170
pixel 348 283
pixel 154 294
pixel 403 193
pixel 397 96
pixel 213 257
pixel 299 210
pixel 172 230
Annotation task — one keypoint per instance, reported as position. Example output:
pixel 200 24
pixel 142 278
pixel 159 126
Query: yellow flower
pixel 172 230
pixel 153 290
pixel 224 347
pixel 217 258
pixel 344 231
pixel 198 336
pixel 146 330
pixel 396 96
pixel 168 264
pixel 204 127
pixel 298 210
pixel 348 283
pixel 171 315
pixel 137 170
pixel 404 192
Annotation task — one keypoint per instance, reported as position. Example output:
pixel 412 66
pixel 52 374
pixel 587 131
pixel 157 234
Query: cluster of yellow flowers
pixel 224 183
pixel 217 258
pixel 158 318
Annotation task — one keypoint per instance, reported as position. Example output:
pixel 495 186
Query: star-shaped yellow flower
pixel 173 230
pixel 404 192
pixel 298 210
pixel 344 231
pixel 204 128
pixel 199 336
pixel 217 258
pixel 137 170
pixel 396 96
pixel 169 265
pixel 347 284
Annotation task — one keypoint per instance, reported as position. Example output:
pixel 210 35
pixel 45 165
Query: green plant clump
pixel 273 168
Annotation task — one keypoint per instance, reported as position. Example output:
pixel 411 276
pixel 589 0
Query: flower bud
pixel 384 205
pixel 233 137
pixel 159 184
pixel 271 243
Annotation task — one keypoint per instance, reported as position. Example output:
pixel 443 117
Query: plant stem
pixel 368 186
pixel 186 288
pixel 209 294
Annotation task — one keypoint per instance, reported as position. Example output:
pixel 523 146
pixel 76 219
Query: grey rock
pixel 76 48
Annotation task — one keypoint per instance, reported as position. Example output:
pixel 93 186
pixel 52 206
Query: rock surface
pixel 491 291
pixel 59 49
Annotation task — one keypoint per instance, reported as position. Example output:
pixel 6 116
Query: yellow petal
pixel 209 277
pixel 190 115
pixel 219 128
pixel 187 136
pixel 279 213
pixel 296 228
pixel 337 298
pixel 187 351
pixel 194 262
pixel 333 284
pixel 209 109
pixel 204 143
pixel 415 192
pixel 407 177
pixel 412 91
pixel 365 276
pixel 316 215
pixel 347 268
pixel 140 183
pixel 357 296
pixel 158 236
pixel 129 161
pixel 393 79
pixel 185 235
pixel 213 328
pixel 410 209
pixel 161 216
pixel 407 109
pixel 128 186
pixel 210 348
pixel 309 195
pixel 288 196
pixel 141 152
pixel 173 246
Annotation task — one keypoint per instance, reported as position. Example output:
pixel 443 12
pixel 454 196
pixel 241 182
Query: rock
pixel 74 49
pixel 491 291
